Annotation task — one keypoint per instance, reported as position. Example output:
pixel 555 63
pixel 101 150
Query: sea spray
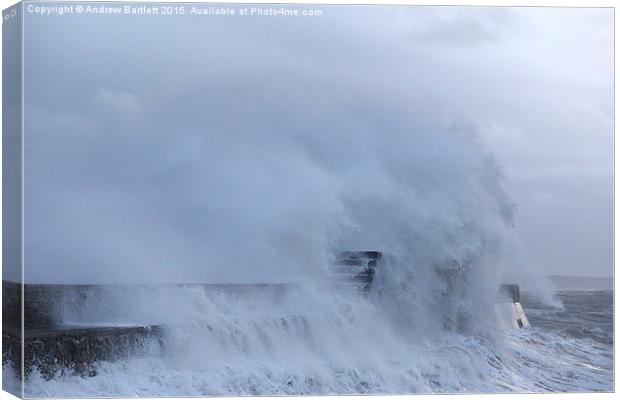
pixel 268 207
pixel 264 200
pixel 325 339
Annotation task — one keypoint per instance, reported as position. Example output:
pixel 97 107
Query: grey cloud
pixel 465 26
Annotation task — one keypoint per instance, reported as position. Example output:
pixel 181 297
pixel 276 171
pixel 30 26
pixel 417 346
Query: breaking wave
pixel 300 342
pixel 273 206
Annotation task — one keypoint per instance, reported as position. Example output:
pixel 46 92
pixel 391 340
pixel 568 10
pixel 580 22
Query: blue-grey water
pixel 569 346
pixel 584 315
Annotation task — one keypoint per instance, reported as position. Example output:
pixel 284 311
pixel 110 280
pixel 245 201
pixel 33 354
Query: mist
pixel 256 158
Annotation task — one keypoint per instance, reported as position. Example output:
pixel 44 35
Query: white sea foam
pixel 308 343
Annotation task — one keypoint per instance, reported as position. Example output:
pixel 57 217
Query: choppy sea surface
pixel 333 349
pixel 567 348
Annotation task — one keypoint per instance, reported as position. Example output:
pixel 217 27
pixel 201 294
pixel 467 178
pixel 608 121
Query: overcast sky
pixel 119 104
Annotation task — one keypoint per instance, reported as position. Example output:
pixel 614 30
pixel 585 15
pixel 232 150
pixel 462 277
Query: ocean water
pixel 306 342
pixel 567 348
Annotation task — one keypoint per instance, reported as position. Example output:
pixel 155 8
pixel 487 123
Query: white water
pixel 430 200
pixel 303 341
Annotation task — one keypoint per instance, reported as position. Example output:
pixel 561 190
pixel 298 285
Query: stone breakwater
pixel 69 328
pixel 56 350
